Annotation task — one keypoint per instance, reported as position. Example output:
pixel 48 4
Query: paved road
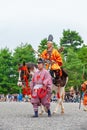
pixel 17 116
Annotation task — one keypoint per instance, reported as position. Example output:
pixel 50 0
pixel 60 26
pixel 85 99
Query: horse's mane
pixel 31 65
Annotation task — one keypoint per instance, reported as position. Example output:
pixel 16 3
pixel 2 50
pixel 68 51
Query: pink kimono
pixel 40 79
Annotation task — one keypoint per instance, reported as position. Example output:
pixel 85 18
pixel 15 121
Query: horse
pixel 26 70
pixel 60 79
pixel 57 81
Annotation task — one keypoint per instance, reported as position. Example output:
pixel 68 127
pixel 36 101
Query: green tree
pixel 82 54
pixel 24 52
pixel 6 71
pixel 71 39
pixel 74 67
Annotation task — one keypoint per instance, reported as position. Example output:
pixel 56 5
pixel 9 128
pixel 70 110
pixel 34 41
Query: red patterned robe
pixel 41 78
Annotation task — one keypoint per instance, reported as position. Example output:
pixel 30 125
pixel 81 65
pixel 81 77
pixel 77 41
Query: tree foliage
pixel 74 68
pixel 71 39
pixel 24 52
pixel 82 54
pixel 6 71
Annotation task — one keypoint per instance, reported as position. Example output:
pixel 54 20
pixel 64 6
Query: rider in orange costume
pixel 84 89
pixel 54 57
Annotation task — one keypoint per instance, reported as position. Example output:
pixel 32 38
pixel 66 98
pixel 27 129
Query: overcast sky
pixel 32 20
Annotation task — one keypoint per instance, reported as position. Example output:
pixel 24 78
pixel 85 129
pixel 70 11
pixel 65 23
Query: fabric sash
pixel 37 86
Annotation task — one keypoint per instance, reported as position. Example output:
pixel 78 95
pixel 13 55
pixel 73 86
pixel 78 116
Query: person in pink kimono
pixel 41 86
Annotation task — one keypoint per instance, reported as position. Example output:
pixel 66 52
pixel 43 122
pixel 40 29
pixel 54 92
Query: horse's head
pixel 23 74
pixel 25 71
pixel 32 67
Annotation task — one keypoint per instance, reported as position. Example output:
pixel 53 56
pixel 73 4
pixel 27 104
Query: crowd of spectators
pixel 71 96
pixel 14 98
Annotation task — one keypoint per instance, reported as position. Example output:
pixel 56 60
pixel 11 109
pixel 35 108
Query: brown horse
pixel 58 81
pixel 26 71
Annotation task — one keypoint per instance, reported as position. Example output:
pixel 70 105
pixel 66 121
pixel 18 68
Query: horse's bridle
pixel 24 76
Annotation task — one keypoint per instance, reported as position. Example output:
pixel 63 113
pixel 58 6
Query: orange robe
pixel 85 99
pixel 55 56
pixel 84 89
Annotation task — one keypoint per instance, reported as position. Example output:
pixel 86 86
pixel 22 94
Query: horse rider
pixel 51 54
pixel 84 90
pixel 41 86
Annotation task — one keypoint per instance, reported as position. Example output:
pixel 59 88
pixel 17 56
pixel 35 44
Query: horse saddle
pixel 57 79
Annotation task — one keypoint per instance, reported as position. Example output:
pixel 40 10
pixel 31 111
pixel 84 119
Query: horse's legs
pixel 62 106
pixel 62 97
pixel 60 101
pixel 41 110
pixel 57 106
